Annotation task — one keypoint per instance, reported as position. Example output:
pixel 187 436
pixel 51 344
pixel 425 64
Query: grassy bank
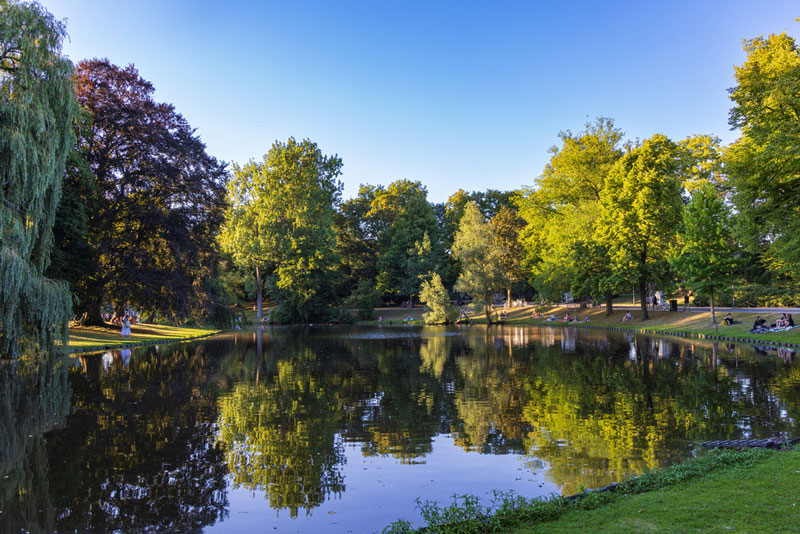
pixel 694 323
pixel 754 490
pixel 87 338
pixel 760 497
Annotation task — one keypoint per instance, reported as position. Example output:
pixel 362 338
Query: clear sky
pixel 467 94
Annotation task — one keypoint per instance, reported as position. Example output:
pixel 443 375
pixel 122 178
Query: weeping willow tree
pixel 37 106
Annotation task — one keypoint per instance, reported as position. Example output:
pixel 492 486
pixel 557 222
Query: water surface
pixel 341 429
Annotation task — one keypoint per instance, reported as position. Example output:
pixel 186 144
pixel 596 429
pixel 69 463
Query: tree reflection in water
pixel 594 407
pixel 151 441
pixel 34 399
pixel 137 452
pixel 280 433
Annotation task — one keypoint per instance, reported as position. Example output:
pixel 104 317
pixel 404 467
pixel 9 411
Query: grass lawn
pixel 764 497
pixel 82 337
pixel 397 315
pixel 683 322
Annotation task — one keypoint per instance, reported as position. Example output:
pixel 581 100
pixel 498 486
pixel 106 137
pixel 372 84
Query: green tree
pixel 72 249
pixel 507 225
pixel 357 238
pixel 37 106
pixel 489 202
pixel 422 259
pixel 281 218
pixel 640 211
pixel 364 299
pixel 763 166
pixel 404 251
pixel 243 235
pixel 434 295
pixel 482 269
pixel 561 250
pixel 389 202
pixel 702 162
pixel 706 252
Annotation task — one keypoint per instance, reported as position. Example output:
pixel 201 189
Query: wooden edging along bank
pixel 715 337
pixel 99 348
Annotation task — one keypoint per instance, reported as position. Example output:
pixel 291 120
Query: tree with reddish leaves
pixel 160 198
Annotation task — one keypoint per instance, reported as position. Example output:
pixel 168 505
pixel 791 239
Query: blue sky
pixel 456 95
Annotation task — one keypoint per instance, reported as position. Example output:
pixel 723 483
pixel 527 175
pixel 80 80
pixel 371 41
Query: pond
pixel 326 429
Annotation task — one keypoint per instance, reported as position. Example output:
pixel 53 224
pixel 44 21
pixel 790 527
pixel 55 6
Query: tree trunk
pixel 94 305
pixel 508 297
pixel 609 303
pixel 643 297
pixel 259 351
pixel 259 298
pixel 487 308
pixel 713 314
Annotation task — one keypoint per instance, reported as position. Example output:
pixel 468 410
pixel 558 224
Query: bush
pixel 293 309
pixel 723 298
pixel 767 295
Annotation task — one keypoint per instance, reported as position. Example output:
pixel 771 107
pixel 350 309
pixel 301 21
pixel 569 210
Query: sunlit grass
pixel 94 336
pixel 675 322
pixel 759 498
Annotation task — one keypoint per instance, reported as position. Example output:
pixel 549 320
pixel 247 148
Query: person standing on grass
pixel 686 302
pixel 126 327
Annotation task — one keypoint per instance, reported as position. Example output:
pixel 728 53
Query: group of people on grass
pixel 784 322
pixel 568 318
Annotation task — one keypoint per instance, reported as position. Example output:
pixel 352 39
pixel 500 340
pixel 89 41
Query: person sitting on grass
pixel 728 320
pixel 551 318
pixel 584 320
pixel 758 323
pixel 781 322
pixel 535 315
pixel 567 318
pixel 626 317
pixel 789 320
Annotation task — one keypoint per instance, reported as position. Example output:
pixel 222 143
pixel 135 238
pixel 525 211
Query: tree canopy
pixel 482 271
pixel 404 252
pixel 705 255
pixel 763 164
pixel 640 210
pixel 561 250
pixel 281 219
pixel 161 196
pixel 37 106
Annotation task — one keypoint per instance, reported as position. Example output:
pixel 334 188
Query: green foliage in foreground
pixel 508 511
